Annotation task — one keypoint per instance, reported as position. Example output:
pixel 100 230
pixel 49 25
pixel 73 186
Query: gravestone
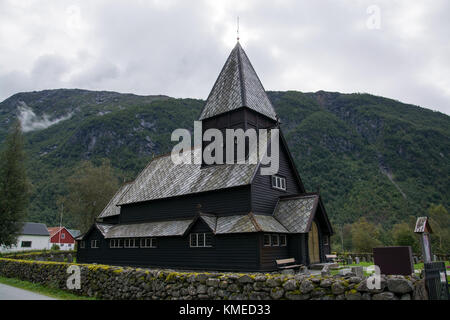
pixel 394 260
pixel 357 260
pixel 344 271
pixel 325 271
pixel 416 260
pixel 363 259
pixel 358 271
pixel 349 260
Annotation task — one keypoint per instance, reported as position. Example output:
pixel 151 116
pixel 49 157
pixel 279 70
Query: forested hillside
pixel 369 156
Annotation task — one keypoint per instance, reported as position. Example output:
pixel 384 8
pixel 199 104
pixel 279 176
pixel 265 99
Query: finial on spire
pixel 238 28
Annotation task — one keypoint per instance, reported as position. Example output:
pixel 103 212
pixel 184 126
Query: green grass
pixel 38 288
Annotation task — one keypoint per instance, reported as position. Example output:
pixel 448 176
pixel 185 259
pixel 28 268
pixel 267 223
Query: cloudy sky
pixel 398 49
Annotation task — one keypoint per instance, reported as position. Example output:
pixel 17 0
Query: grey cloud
pixel 177 48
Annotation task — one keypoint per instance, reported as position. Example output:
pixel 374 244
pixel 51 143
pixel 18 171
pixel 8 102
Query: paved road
pixel 13 293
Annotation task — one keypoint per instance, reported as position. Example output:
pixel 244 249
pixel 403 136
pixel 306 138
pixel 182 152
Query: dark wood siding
pixel 297 245
pixel 264 197
pixel 232 252
pixel 268 255
pixel 111 220
pixel 222 202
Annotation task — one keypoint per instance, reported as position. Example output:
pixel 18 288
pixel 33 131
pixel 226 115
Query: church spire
pixel 237 86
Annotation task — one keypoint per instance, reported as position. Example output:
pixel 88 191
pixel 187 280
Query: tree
pixel 90 188
pixel 365 236
pixel 14 187
pixel 403 235
pixel 440 224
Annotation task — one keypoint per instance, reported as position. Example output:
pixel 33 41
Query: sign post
pixel 435 272
pixel 423 228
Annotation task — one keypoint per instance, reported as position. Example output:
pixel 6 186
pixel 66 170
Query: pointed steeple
pixel 237 86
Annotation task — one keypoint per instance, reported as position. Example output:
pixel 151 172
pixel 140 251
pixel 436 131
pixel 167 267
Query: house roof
pixel 103 228
pixel 162 178
pixel 75 233
pixel 111 209
pixel 218 225
pixel 237 86
pixel 54 230
pixel 296 213
pixel 243 224
pixel 34 229
pixel 149 229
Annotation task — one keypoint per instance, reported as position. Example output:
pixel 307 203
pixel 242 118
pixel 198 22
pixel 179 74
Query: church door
pixel 313 244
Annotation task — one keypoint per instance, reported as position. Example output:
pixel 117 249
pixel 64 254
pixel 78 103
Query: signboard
pixel 394 260
pixel 422 225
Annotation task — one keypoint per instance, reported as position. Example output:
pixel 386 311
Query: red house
pixel 61 237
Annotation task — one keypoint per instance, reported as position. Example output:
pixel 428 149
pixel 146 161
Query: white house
pixel 34 236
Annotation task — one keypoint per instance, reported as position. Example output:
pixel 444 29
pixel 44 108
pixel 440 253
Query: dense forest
pixel 376 161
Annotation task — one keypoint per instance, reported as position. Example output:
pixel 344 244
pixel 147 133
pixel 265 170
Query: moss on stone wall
pixel 111 282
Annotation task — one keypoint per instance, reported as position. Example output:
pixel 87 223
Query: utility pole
pixel 60 224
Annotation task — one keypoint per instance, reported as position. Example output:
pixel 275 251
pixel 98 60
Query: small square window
pixel 25 244
pixel 279 182
pixel 275 240
pixel 201 239
pixel 63 235
pixel 193 240
pixel 94 244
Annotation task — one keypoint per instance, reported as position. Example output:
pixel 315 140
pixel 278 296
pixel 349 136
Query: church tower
pixel 238 99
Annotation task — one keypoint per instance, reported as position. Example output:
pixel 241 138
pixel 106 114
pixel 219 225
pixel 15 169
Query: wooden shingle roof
pixel 296 213
pixel 162 178
pixel 111 209
pixel 237 86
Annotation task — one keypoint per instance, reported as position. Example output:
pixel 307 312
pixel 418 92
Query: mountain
pixel 369 156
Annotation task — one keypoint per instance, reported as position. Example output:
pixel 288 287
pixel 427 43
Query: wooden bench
pixel 287 264
pixel 331 257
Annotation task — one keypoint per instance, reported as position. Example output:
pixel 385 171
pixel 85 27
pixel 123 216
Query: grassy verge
pixel 38 288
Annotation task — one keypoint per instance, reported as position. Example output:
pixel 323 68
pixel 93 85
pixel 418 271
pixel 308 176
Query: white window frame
pixel 143 242
pixel 26 241
pixel 95 244
pixel 278 240
pixel 114 243
pixel 279 182
pixel 197 236
pixel 130 243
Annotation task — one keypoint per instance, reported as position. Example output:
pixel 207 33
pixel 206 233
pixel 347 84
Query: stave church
pixel 224 217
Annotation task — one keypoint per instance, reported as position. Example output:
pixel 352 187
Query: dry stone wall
pixel 108 282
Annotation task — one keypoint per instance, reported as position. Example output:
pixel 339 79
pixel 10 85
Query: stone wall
pixel 107 282
pixel 43 255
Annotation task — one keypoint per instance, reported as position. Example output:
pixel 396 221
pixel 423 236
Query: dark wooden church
pixel 214 217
